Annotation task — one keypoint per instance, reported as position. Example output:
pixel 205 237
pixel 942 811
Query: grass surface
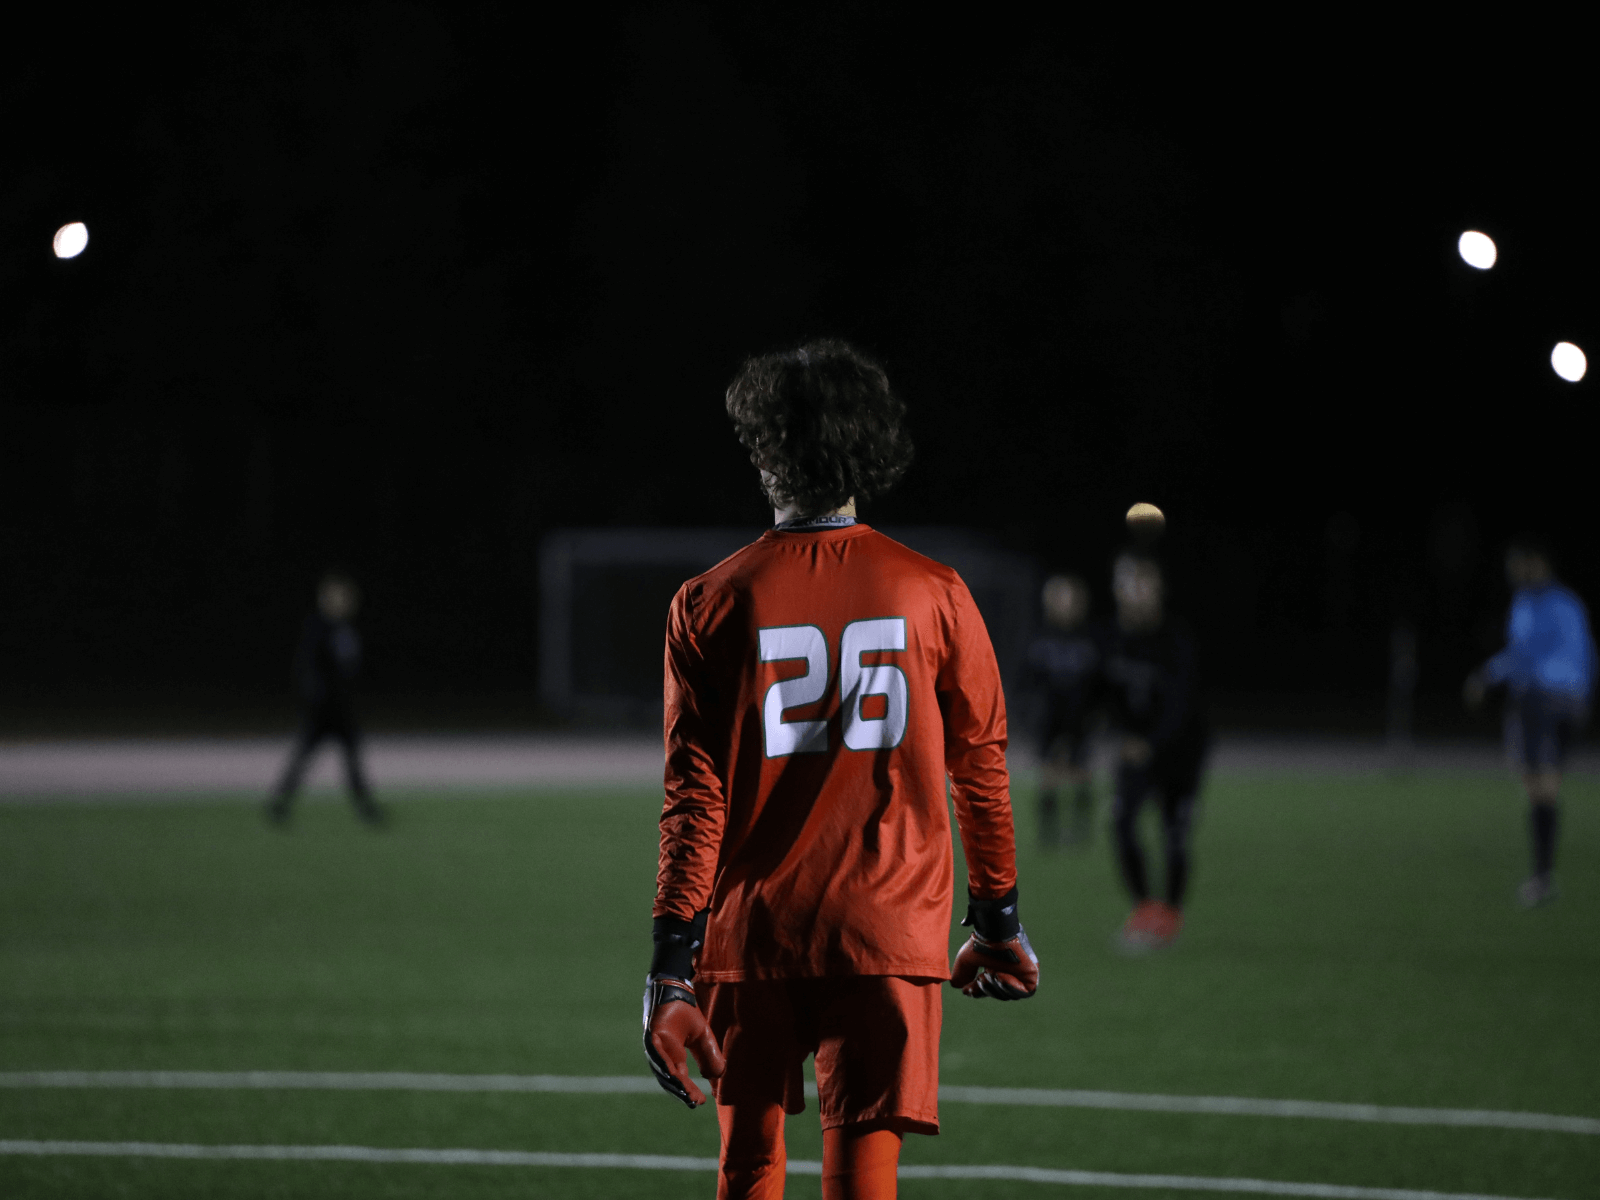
pixel 1348 940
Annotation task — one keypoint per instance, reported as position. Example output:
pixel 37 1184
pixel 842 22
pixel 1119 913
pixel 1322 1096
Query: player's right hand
pixel 1007 970
pixel 673 1023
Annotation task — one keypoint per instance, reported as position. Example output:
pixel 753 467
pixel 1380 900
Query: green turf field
pixel 1349 941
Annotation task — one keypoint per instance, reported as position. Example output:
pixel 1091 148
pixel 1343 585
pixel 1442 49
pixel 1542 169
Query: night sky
pixel 404 288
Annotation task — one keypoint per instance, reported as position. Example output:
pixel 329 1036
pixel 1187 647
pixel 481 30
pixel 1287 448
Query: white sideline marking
pixel 329 1081
pixel 1238 1106
pixel 366 1154
pixel 1241 1106
pixel 662 1162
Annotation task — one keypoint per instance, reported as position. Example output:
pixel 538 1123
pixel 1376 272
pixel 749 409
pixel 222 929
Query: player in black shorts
pixel 1153 694
pixel 1548 671
pixel 325 668
pixel 1064 667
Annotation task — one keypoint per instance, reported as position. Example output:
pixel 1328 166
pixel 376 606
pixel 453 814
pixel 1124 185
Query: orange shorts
pixel 876 1038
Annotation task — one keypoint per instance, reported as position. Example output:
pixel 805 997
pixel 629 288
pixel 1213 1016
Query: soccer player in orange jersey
pixel 822 686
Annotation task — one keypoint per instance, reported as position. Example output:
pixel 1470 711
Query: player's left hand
pixel 1136 751
pixel 1007 970
pixel 674 1024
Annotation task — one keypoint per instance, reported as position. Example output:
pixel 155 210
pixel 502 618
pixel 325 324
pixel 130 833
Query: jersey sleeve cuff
pixel 994 920
pixel 674 944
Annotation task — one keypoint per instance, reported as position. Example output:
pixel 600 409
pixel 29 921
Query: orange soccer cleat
pixel 1138 932
pixel 1168 923
pixel 1150 926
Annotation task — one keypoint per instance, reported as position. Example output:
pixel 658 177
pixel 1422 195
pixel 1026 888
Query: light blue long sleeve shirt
pixel 1549 644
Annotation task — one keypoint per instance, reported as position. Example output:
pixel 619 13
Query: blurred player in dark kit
pixel 1154 701
pixel 824 688
pixel 1548 670
pixel 325 669
pixel 1064 666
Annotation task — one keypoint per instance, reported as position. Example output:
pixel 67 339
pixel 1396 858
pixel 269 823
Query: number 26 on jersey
pixel 857 682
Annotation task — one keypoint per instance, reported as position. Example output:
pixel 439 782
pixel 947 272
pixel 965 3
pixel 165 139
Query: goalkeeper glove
pixel 997 960
pixel 673 1021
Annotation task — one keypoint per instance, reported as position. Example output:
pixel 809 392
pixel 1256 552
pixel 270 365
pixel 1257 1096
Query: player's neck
pixel 791 513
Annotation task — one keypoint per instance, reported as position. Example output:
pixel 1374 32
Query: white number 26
pixel 785 643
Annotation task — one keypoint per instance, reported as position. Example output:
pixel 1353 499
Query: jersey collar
pixel 815 524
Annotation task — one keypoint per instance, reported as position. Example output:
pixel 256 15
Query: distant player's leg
pixel 1544 825
pixel 1079 778
pixel 311 732
pixel 1140 930
pixel 1052 773
pixel 764 1038
pixel 355 778
pixel 1547 726
pixel 1132 783
pixel 877 1077
pixel 1049 806
pixel 1177 816
pixel 1178 798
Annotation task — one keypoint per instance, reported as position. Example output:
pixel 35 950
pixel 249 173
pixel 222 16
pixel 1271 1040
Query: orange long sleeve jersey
pixel 820 687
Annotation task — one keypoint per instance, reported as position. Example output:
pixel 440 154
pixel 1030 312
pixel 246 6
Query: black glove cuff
pixel 994 920
pixel 675 944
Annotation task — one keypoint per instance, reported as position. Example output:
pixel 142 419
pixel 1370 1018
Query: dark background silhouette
pixel 404 287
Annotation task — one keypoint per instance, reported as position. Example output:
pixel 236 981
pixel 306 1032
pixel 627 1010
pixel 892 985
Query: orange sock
pixel 753 1162
pixel 859 1164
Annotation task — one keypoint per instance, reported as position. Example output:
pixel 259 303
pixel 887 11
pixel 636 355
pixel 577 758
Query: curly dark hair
pixel 821 425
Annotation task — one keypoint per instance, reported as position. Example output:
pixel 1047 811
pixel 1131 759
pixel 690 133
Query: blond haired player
pixel 1157 706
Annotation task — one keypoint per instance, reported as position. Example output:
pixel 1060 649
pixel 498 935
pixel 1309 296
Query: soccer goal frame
pixel 604 596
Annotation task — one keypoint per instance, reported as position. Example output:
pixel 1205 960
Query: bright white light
pixel 1568 361
pixel 70 240
pixel 1477 249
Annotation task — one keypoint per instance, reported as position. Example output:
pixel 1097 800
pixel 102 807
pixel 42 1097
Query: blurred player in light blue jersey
pixel 1548 669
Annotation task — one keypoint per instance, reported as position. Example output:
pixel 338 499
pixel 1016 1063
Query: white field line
pixel 1236 1106
pixel 329 1081
pixel 1241 1106
pixel 662 1162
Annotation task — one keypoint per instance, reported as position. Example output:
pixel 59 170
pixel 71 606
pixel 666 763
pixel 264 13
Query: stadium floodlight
pixel 1477 249
pixel 70 240
pixel 1568 362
